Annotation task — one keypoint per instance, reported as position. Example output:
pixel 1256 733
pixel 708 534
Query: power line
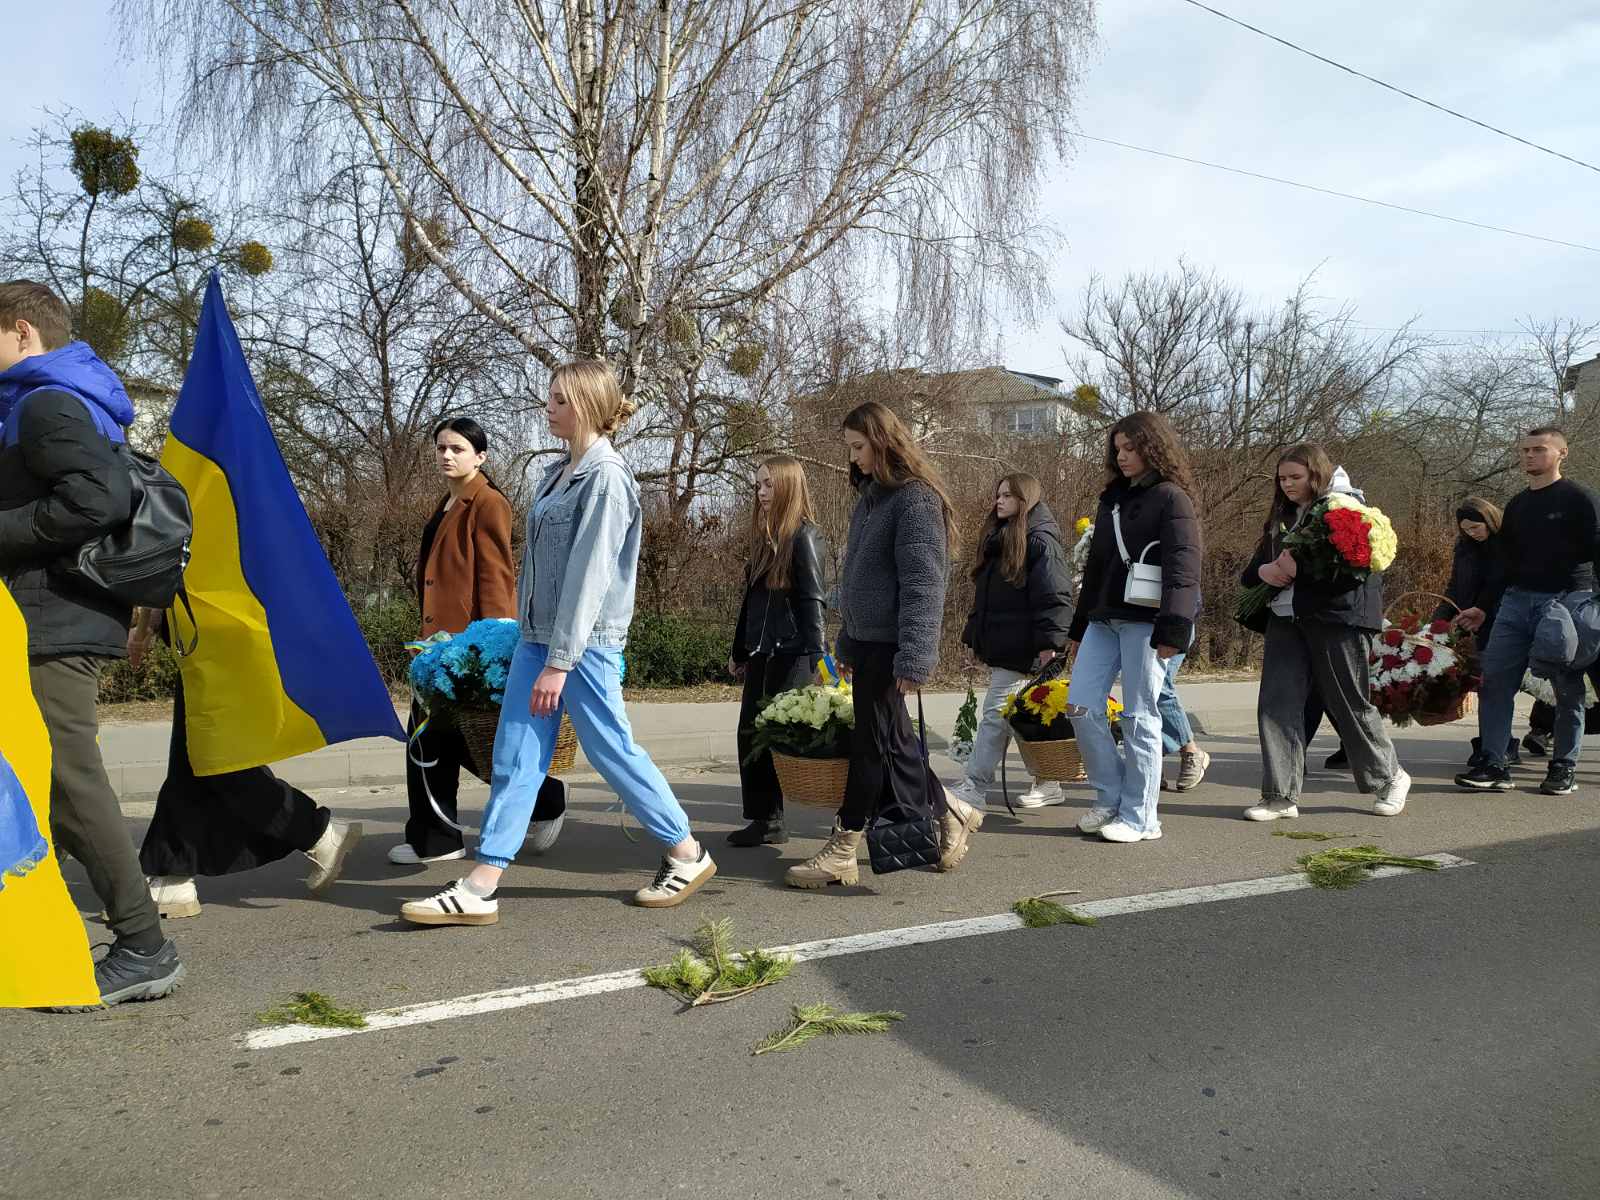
pixel 1310 187
pixel 1391 87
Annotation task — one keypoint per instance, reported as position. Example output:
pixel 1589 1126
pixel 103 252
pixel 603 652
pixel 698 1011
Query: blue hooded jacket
pixel 74 369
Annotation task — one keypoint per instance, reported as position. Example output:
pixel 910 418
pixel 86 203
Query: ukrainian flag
pixel 44 950
pixel 280 666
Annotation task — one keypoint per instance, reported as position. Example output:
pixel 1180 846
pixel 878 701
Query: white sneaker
pixel 175 896
pixel 1095 820
pixel 453 906
pixel 969 792
pixel 543 834
pixel 676 881
pixel 1121 831
pixel 1042 794
pixel 329 854
pixel 404 856
pixel 1271 810
pixel 1392 799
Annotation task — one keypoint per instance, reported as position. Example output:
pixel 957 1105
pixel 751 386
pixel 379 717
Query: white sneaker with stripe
pixel 676 881
pixel 453 906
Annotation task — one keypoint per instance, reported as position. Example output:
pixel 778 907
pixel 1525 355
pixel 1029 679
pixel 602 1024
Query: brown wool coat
pixel 469 573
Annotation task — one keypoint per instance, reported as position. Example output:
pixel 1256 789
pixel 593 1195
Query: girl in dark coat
pixel 779 635
pixel 1021 613
pixel 1477 577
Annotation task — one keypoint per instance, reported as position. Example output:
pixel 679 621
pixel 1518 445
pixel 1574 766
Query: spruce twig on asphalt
pixel 711 973
pixel 1310 835
pixel 820 1020
pixel 1346 866
pixel 314 1008
pixel 1041 912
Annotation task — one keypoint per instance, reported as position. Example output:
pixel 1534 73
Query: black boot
pixel 1475 759
pixel 760 833
pixel 1513 755
pixel 1337 761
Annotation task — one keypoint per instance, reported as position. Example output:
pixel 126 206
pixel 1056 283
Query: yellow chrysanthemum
pixel 1082 525
pixel 1113 708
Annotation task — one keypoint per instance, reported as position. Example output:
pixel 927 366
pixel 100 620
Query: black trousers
pixel 885 756
pixel 442 745
pixel 223 824
pixel 85 818
pixel 764 677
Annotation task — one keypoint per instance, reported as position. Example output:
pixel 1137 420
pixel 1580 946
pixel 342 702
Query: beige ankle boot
pixel 834 863
pixel 956 827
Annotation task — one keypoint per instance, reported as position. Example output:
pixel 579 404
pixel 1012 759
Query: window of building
pixel 1033 419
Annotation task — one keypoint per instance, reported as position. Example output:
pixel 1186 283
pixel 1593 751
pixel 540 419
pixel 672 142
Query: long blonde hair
pixel 772 533
pixel 896 460
pixel 1013 531
pixel 591 387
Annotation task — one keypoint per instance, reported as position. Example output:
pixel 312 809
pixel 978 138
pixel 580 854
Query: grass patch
pixel 1346 866
pixel 710 972
pixel 1041 912
pixel 810 1021
pixel 313 1008
pixel 1310 835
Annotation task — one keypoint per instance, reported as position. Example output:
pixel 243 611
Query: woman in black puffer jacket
pixel 1021 613
pixel 779 635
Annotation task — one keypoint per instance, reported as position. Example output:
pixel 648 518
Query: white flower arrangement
pixel 1543 690
pixel 809 722
pixel 1400 656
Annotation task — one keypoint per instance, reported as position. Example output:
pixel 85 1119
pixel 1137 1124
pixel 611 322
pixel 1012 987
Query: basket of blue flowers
pixel 462 678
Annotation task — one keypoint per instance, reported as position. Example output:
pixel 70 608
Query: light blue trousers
pixel 1126 781
pixel 523 745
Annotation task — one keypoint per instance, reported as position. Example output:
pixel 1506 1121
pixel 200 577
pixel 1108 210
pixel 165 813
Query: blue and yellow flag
pixel 280 666
pixel 44 950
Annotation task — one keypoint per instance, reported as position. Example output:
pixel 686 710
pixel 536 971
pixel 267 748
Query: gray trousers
pixel 1333 660
pixel 85 818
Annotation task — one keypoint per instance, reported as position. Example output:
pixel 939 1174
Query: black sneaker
pixel 1559 780
pixel 1476 758
pixel 125 974
pixel 1513 755
pixel 760 833
pixel 1535 745
pixel 1337 761
pixel 1485 779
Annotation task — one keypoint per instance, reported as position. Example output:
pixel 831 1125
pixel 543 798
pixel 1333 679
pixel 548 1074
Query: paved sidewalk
pixel 136 754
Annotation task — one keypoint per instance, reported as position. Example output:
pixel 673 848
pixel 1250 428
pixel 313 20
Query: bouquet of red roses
pixel 1340 538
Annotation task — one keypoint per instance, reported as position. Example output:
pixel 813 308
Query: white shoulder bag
pixel 1143 586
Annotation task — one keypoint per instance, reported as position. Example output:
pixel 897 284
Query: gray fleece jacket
pixel 892 583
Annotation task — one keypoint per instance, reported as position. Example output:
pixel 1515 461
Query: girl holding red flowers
pixel 1319 634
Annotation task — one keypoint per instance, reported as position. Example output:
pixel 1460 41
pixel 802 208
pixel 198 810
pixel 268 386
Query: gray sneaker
pixel 1191 770
pixel 124 974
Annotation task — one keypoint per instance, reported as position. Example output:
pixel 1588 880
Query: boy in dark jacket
pixel 62 487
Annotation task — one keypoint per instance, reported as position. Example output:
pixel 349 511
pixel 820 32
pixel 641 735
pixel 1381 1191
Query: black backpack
pixel 142 562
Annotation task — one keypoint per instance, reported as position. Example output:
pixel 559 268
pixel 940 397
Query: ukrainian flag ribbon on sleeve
pixel 44 950
pixel 279 665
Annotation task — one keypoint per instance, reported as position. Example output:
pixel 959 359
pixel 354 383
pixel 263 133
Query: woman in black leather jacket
pixel 779 636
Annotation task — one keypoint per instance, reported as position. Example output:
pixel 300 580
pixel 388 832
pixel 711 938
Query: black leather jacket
pixel 787 621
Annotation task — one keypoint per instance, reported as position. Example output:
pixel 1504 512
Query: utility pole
pixel 1249 414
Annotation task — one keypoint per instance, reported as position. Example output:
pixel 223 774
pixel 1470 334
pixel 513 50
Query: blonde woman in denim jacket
pixel 575 603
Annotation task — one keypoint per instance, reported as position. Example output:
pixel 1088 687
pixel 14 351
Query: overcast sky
pixel 1171 77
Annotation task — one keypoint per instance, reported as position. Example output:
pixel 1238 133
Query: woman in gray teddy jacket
pixel 891 597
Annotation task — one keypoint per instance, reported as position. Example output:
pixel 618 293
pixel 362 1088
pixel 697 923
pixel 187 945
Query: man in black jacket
pixel 62 487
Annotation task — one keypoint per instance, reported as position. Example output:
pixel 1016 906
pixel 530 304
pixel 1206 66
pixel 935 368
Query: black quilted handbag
pixel 905 832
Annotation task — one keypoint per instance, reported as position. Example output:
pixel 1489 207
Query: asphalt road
pixel 1430 1035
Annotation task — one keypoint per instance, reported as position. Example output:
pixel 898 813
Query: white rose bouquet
pixel 810 722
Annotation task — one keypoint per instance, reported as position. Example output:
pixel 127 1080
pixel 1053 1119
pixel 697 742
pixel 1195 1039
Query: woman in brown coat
pixel 465 573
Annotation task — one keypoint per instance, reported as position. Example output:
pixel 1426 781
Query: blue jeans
pixel 523 745
pixel 1505 661
pixel 1175 731
pixel 1126 782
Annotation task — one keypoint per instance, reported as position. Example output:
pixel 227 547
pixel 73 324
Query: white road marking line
pixel 859 943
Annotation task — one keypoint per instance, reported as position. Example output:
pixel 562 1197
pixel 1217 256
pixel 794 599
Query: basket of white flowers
pixel 807 731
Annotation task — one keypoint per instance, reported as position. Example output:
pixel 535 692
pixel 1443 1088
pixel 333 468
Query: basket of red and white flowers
pixel 1427 673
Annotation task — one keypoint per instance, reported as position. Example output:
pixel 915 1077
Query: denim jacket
pixel 582 558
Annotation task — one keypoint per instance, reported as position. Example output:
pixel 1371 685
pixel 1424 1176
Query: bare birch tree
pixel 638 178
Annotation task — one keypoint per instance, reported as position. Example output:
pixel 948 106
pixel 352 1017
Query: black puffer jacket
pixel 1009 624
pixel 1477 580
pixel 1152 510
pixel 1341 602
pixel 61 487
pixel 789 620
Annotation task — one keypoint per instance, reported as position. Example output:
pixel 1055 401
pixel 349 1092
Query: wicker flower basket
pixel 1055 762
pixel 1466 704
pixel 478 727
pixel 815 781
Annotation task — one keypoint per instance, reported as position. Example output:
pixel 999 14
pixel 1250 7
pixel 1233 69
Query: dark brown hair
pixel 1319 467
pixel 1013 532
pixel 896 459
pixel 25 300
pixel 1157 442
